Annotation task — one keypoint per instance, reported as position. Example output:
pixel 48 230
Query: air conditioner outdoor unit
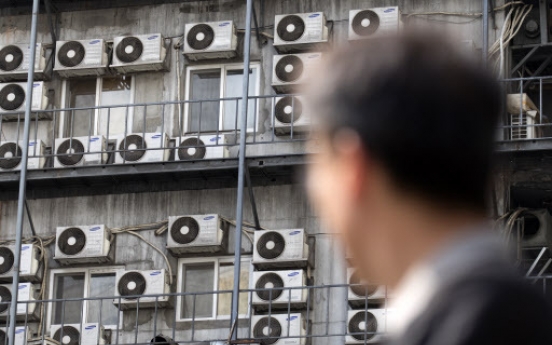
pixel 11 153
pixel 278 329
pixel 279 289
pixel 524 115
pixel 83 244
pixel 193 147
pixel 71 334
pixel 372 22
pixel 361 293
pixel 29 264
pixel 77 151
pixel 15 60
pixel 210 40
pixel 25 294
pixel 537 229
pixel 14 95
pixel 81 58
pixel 280 248
pixel 142 148
pixel 195 234
pixel 137 283
pixel 290 115
pixel 290 71
pixel 139 53
pixel 366 326
pixel 300 31
pixel 22 334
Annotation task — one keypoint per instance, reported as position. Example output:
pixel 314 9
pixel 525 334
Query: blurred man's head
pixel 405 127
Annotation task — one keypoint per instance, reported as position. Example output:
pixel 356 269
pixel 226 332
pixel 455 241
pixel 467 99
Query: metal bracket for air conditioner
pixel 535 263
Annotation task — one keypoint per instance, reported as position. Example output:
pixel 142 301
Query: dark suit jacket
pixel 485 301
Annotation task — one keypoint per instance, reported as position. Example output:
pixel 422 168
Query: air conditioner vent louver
pixel 70 152
pixel 200 36
pixel 129 49
pixel 364 324
pixel 268 327
pixel 133 148
pixel 7 260
pixel 131 284
pixel 271 245
pixel 365 23
pixel 5 298
pixel 71 54
pixel 288 110
pixel 72 241
pixel 291 28
pixel 12 97
pixel 269 281
pixel 11 58
pixel 71 335
pixel 289 68
pixel 184 230
pixel 10 155
pixel 191 148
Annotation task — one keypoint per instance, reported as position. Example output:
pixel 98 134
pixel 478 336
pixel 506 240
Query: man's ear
pixel 353 160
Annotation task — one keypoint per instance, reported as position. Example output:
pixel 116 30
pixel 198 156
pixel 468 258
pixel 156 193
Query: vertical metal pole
pixel 485 33
pixel 23 177
pixel 241 168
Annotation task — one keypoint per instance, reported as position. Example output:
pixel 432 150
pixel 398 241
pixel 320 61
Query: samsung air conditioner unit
pixel 290 115
pixel 372 22
pixel 195 234
pixel 139 53
pixel 278 329
pixel 280 248
pixel 279 289
pixel 290 71
pixel 361 293
pixel 15 60
pixel 13 97
pixel 26 308
pixel 83 244
pixel 22 334
pixel 193 147
pixel 28 267
pixel 366 326
pixel 77 334
pixel 77 151
pixel 300 31
pixel 11 154
pixel 210 40
pixel 536 229
pixel 142 148
pixel 131 284
pixel 81 58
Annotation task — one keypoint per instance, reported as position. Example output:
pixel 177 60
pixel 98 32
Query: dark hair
pixel 422 109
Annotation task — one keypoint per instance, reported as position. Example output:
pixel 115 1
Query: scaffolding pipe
pixel 23 177
pixel 485 33
pixel 241 169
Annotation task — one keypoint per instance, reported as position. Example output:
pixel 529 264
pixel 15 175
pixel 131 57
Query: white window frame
pixel 88 272
pixel 99 85
pixel 245 261
pixel 224 68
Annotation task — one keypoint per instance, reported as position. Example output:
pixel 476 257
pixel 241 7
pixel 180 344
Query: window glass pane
pixel 233 88
pixel 205 85
pixel 115 91
pixel 198 278
pixel 226 283
pixel 102 285
pixel 68 286
pixel 81 94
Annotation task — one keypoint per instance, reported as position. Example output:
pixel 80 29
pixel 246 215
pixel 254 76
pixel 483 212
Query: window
pixel 207 85
pixel 207 275
pixel 89 93
pixel 83 283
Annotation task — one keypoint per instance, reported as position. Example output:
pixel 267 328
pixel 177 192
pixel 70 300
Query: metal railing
pixel 321 314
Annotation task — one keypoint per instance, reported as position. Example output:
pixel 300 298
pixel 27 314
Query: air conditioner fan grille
pixel 361 289
pixel 185 230
pixel 363 326
pixel 70 152
pixel 366 23
pixel 192 148
pixel 271 245
pixel 291 28
pixel 132 284
pixel 200 36
pixel 12 97
pixel 7 259
pixel 272 284
pixel 289 68
pixel 71 241
pixel 5 298
pixel 11 58
pixel 129 49
pixel 268 327
pixel 288 110
pixel 10 155
pixel 67 331
pixel 71 54
pixel 132 148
